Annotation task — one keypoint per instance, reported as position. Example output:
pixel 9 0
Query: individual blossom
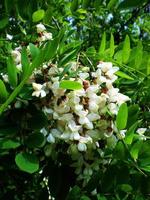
pixel 38 90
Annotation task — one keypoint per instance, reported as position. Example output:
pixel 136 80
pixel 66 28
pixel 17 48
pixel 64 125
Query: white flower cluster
pixel 85 116
pixel 82 118
pixel 43 35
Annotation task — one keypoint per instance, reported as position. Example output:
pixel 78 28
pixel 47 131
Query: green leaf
pixel 9 144
pixel 27 162
pixel 38 15
pixel 3 23
pixel 125 187
pixel 134 151
pixel 48 15
pixel 12 72
pixel 74 6
pixel 85 3
pixel 112 45
pixel 34 51
pixel 126 50
pixel 122 116
pixel 37 121
pixel 120 151
pixel 94 181
pixel 103 44
pixel 118 56
pixel 74 194
pixel 130 133
pixel 148 67
pixel 24 61
pixel 70 85
pixel 138 55
pixel 85 198
pixel 68 57
pixel 51 48
pixel 146 168
pixel 126 4
pixel 133 111
pixel 3 92
pixel 123 75
pixel 112 4
pixel 35 140
pixel 101 197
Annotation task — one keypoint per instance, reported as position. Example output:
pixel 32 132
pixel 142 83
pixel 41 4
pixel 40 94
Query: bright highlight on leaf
pixel 70 85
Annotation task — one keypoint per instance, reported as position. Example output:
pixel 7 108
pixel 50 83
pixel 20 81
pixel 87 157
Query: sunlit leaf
pixel 38 15
pixel 27 162
pixel 126 49
pixel 122 116
pixel 70 85
pixel 12 72
pixel 3 91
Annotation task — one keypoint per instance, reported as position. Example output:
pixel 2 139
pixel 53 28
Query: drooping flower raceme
pixel 83 119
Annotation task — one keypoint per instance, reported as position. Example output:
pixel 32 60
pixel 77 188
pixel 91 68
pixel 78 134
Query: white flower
pixel 47 110
pixel 48 36
pixel 93 107
pixel 5 77
pixel 66 117
pixel 105 66
pixel 53 70
pixel 84 75
pixel 19 67
pixel 92 90
pixel 86 139
pixel 122 133
pixel 39 91
pixel 74 136
pixel 40 28
pixel 65 136
pixel 82 147
pixel 93 117
pixel 9 37
pixel 17 56
pixel 122 98
pixel 113 108
pixel 89 125
pixel 55 132
pixel 141 131
pixel 45 36
pixel 62 108
pixel 73 127
pixel 51 138
pixel 79 110
pixel 43 131
pixel 79 93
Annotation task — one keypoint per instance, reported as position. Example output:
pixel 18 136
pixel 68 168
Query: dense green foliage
pixel 85 32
